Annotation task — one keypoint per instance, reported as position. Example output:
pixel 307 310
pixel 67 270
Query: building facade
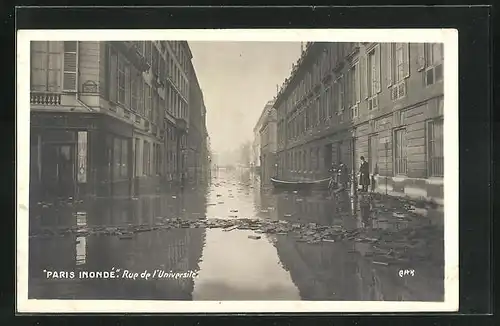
pixel 256 145
pixel 383 101
pixel 268 147
pixel 108 118
pixel 197 157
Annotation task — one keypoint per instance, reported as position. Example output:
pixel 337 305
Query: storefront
pixel 74 155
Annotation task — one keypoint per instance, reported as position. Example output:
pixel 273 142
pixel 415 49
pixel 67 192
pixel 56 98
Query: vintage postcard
pixel 237 170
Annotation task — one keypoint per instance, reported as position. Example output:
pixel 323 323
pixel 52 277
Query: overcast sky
pixel 237 80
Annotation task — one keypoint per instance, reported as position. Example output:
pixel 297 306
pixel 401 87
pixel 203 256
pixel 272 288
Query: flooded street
pixel 380 239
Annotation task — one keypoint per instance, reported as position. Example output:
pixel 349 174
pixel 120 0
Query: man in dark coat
pixel 364 174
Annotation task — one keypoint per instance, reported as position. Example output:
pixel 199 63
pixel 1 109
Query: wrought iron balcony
pixel 45 98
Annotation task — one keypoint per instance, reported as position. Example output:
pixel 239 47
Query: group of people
pixel 341 175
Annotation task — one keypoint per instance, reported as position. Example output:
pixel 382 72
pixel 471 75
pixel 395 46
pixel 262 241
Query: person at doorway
pixel 343 175
pixel 364 175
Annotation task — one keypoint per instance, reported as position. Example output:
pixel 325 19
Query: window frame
pixel 404 152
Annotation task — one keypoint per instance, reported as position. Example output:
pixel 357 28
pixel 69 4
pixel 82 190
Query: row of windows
pixel 127 86
pixel 154 159
pixel 164 62
pixel 359 82
pixel 310 160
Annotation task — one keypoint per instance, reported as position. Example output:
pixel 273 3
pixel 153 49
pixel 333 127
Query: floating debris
pixel 254 237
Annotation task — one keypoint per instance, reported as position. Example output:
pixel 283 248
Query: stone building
pixel 268 146
pixel 108 118
pixel 383 101
pixel 256 145
pixel 197 139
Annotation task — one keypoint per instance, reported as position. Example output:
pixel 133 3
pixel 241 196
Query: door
pixel 58 170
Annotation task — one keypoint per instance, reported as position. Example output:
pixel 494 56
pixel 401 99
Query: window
pixel 146 169
pixel 339 95
pixel 120 158
pixel 147 51
pixel 435 147
pixel 45 66
pixel 433 58
pixel 155 67
pixel 113 76
pixel 70 66
pixel 354 90
pixel 373 78
pixel 124 160
pixel 373 142
pixel 148 101
pixel 121 80
pixel 400 155
pixel 137 85
pixel 398 69
pixel 128 91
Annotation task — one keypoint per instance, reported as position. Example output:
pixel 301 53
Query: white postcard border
pixel 451 178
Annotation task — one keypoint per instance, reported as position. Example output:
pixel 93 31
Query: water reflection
pixel 177 250
pixel 343 271
pixel 230 265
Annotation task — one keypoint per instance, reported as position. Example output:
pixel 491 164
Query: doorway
pixel 59 169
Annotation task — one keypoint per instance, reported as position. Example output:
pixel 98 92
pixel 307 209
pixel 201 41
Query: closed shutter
pixel 70 66
pixel 406 57
pixel 389 64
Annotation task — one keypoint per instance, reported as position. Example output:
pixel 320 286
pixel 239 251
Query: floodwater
pixel 227 265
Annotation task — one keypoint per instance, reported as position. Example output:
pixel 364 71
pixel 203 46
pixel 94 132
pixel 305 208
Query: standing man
pixel 364 174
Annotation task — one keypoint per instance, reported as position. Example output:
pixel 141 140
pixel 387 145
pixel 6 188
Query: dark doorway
pixel 58 169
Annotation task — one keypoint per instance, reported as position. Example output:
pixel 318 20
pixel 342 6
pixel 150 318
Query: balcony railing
pixel 45 98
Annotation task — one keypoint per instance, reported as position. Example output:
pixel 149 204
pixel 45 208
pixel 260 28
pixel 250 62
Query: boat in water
pixel 301 185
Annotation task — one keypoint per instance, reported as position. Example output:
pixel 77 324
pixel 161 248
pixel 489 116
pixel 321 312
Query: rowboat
pixel 300 185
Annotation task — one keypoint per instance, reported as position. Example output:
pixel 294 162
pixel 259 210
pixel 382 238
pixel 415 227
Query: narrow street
pixel 239 242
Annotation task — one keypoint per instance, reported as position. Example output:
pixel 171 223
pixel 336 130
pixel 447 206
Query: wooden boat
pixel 300 185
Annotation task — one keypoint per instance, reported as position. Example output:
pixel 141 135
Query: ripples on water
pixel 230 266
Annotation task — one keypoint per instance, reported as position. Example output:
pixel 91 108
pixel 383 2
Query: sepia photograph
pixel 237 170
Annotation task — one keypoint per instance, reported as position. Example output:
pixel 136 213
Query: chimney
pixel 301 47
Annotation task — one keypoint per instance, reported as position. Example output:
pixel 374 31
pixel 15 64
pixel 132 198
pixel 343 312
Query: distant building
pixel 108 118
pixel 256 155
pixel 383 101
pixel 268 147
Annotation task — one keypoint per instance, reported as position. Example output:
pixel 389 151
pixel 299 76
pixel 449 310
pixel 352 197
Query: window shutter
pixel 364 68
pixel 378 64
pixel 420 56
pixel 70 67
pixel 406 57
pixel 389 64
pixel 358 84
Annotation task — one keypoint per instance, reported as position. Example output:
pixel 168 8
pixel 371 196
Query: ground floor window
pixel 146 169
pixel 120 158
pixel 435 147
pixel 400 155
pixel 373 142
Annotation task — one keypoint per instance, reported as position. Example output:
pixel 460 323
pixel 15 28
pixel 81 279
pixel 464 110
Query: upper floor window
pixel 354 89
pixel 430 59
pixel 398 68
